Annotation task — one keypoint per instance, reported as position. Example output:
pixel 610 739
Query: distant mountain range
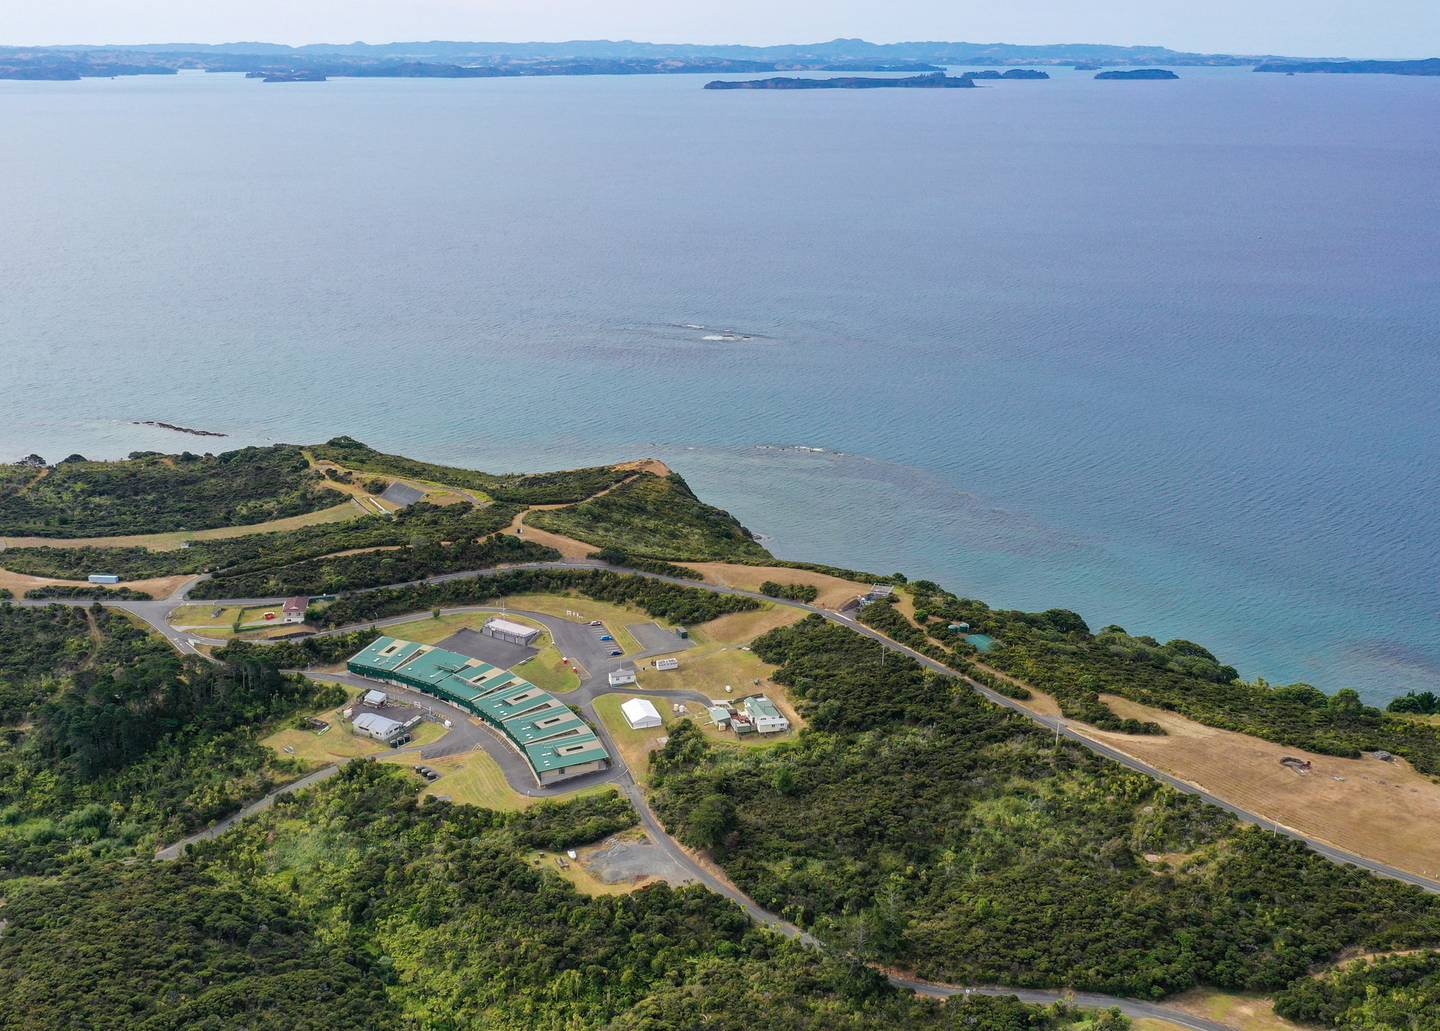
pixel 574 57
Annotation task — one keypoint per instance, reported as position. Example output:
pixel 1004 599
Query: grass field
pixel 635 745
pixel 834 591
pixel 1245 1012
pixel 338 744
pixel 712 665
pixel 203 619
pixel 476 779
pixel 340 513
pixel 471 779
pixel 1383 810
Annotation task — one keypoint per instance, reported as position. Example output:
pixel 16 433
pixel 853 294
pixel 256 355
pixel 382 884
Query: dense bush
pixel 794 592
pixel 525 488
pixel 114 741
pixel 376 568
pixel 671 602
pixel 1056 652
pixel 917 825
pixel 172 946
pixel 157 493
pixel 625 560
pixel 85 591
pixel 305 653
pixel 653 517
pixel 258 551
pixel 1392 993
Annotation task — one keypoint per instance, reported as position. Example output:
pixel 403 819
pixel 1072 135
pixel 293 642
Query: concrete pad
pixel 402 494
pixel 655 638
pixel 619 859
pixel 488 649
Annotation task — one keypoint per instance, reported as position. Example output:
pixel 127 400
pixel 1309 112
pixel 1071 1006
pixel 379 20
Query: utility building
pixel 381 728
pixel 294 610
pixel 514 633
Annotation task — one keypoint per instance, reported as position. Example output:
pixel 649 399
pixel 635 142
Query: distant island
pixel 1139 73
pixel 936 80
pixel 1013 73
pixel 1429 66
pixel 466 60
pixel 300 75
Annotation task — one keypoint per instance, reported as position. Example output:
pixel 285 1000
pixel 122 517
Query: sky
pixel 1312 28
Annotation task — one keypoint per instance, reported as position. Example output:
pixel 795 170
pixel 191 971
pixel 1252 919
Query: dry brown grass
pixel 646 465
pixel 174 539
pixel 1383 810
pixel 834 591
pixel 744 627
pixel 1243 1012
pixel 159 587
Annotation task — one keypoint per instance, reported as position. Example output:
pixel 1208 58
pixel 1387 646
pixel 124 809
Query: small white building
pixel 381 728
pixel 294 610
pixel 103 578
pixel 375 698
pixel 765 715
pixel 640 714
pixel 877 592
pixel 667 663
pixel 507 630
pixel 619 677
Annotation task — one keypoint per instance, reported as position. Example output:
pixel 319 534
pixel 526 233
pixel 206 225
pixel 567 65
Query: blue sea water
pixel 1163 353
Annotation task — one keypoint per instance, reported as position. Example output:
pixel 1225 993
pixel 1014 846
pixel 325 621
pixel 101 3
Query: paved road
pixel 154 613
pixel 215 830
pixel 597 666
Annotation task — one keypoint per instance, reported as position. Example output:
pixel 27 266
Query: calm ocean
pixel 1164 353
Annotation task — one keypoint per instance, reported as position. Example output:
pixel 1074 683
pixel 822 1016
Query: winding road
pixel 464 736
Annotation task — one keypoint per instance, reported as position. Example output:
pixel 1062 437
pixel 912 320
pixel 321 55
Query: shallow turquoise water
pixel 1163 353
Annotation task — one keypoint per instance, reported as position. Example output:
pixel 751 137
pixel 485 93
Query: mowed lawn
pixel 339 744
pixel 476 779
pixel 708 669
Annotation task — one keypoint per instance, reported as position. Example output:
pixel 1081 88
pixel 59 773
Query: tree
pixel 711 820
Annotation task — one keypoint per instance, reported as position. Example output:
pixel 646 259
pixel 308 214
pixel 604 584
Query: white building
pixel 294 610
pixel 667 663
pixel 381 728
pixel 622 676
pixel 640 714
pixel 375 698
pixel 764 714
pixel 515 633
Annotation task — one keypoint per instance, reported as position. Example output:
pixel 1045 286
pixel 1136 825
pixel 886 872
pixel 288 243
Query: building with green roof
pixel 555 741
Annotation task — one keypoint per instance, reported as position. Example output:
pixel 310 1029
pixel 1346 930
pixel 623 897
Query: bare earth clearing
pixel 1384 810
